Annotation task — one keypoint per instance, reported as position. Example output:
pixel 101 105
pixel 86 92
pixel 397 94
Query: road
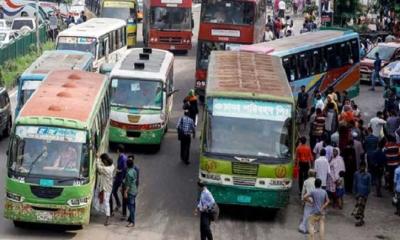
pixel 167 195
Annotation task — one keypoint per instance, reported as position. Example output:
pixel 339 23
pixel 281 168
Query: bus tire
pixel 19 224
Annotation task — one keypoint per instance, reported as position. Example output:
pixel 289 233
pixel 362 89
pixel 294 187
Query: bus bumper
pixel 172 47
pixel 150 137
pixel 249 196
pixel 45 213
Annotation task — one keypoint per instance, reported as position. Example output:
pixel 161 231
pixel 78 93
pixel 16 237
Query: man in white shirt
pixel 269 35
pixel 377 124
pixel 282 9
pixel 322 167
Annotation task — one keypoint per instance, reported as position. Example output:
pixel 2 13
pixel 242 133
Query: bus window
pixel 332 58
pixel 355 50
pixel 287 67
pixel 302 65
pixel 315 62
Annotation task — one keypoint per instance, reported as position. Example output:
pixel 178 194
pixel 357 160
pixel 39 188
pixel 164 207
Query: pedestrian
pixel 378 124
pixel 349 157
pixel 322 168
pixel 105 170
pixel 317 127
pixel 359 151
pixel 336 166
pixel 375 73
pixel 304 160
pixel 319 101
pixel 69 20
pixel 269 35
pixel 82 18
pixel 362 188
pixel 397 189
pixel 205 205
pixel 53 26
pixel 377 166
pixel 282 8
pixel 392 123
pixel 278 27
pixel 319 200
pixel 340 189
pixel 192 105
pixel 131 191
pixel 308 187
pixel 392 152
pixel 185 128
pixel 302 106
pixel 331 123
pixel 370 145
pixel 118 181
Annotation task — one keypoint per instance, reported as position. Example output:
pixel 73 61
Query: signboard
pixel 171 1
pixel 251 109
pixel 225 33
pixel 79 40
pixel 118 4
pixel 51 134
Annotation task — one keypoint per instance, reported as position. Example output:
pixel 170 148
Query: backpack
pixel 214 212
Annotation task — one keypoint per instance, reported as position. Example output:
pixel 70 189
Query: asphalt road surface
pixel 168 191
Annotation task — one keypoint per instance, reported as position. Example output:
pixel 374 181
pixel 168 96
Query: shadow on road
pixel 250 214
pixel 48 230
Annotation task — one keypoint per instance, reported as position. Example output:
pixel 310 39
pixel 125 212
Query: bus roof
pixel 56 60
pixel 155 67
pixel 66 94
pixel 299 43
pixel 246 73
pixel 94 27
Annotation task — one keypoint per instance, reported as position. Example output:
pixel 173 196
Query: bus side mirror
pixel 18 79
pixel 172 93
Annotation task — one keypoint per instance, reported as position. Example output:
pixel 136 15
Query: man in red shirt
pixel 304 160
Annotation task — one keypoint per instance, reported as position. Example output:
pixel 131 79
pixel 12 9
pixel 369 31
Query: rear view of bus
pixel 247 146
pixel 168 24
pixel 59 131
pixel 32 77
pixel 141 96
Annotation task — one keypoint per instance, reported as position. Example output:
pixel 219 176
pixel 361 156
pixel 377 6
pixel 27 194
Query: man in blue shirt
pixel 204 206
pixel 377 167
pixel 375 73
pixel 361 189
pixel 118 180
pixel 397 189
pixel 185 128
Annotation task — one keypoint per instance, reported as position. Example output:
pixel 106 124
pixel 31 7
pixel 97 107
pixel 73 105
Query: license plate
pixel 173 47
pixel 243 199
pixel 44 216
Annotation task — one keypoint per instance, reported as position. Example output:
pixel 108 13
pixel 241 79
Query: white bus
pixel 105 38
pixel 142 91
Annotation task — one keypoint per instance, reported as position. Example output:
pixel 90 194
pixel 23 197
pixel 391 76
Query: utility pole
pixel 37 28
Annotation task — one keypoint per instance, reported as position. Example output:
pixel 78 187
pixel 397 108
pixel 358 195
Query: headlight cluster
pixel 211 176
pixel 14 197
pixel 78 202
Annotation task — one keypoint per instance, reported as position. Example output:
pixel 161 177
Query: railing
pixel 22 45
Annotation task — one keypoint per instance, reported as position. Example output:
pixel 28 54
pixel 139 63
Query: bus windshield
pixel 83 44
pixel 171 18
pixel 136 93
pixel 228 12
pixel 251 129
pixel 118 12
pixel 205 48
pixel 385 52
pixel 28 87
pixel 50 152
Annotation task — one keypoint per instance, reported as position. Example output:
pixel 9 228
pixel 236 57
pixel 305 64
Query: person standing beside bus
pixel 185 128
pixel 131 191
pixel 375 73
pixel 119 178
pixel 204 206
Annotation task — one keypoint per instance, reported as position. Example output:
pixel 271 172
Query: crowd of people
pixel 338 154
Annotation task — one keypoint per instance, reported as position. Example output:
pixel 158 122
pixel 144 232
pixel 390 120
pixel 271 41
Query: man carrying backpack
pixel 206 207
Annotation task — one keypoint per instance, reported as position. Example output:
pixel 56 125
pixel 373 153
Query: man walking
pixel 377 167
pixel 375 74
pixel 304 160
pixel 185 128
pixel 361 189
pixel 131 191
pixel 302 106
pixel 205 205
pixel 377 125
pixel 322 168
pixel 319 200
pixel 118 180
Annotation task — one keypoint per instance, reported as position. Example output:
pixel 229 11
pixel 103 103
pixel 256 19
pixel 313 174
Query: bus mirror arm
pixel 172 93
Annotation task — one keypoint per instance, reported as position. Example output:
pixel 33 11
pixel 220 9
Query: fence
pixel 22 45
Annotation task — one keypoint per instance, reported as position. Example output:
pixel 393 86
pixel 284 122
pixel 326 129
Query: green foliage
pixel 11 69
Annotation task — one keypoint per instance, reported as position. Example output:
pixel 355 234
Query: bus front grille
pixel 46 192
pixel 174 40
pixel 244 169
pixel 241 181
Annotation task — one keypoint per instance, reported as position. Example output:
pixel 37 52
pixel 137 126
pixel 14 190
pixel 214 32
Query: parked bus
pixel 104 38
pixel 124 10
pixel 32 77
pixel 247 144
pixel 51 167
pixel 320 59
pixel 224 25
pixel 142 91
pixel 168 24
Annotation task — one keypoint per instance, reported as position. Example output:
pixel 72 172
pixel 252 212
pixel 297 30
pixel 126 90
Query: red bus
pixel 168 24
pixel 225 25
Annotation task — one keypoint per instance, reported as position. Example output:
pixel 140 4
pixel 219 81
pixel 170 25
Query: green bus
pixel 247 144
pixel 51 167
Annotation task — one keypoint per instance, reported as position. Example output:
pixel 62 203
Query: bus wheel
pixel 19 224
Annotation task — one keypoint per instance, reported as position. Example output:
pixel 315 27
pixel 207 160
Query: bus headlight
pixel 211 176
pixel 78 202
pixel 153 39
pixel 14 197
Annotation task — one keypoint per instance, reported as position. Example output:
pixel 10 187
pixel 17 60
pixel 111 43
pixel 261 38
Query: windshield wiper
pixel 34 163
pixel 71 179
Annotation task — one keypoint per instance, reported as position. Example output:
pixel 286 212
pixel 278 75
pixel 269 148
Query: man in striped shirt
pixel 392 152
